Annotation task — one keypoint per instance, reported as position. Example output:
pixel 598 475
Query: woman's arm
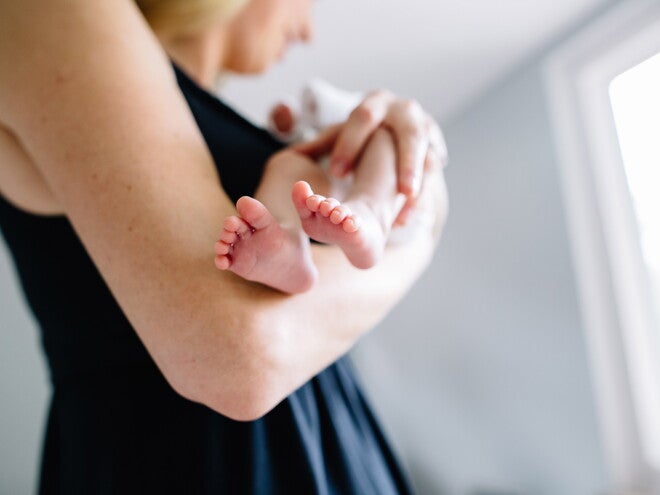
pixel 20 179
pixel 91 96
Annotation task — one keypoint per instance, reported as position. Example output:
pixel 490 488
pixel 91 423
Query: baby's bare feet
pixel 256 247
pixel 360 235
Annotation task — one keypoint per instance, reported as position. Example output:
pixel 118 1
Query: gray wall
pixel 481 375
pixel 23 387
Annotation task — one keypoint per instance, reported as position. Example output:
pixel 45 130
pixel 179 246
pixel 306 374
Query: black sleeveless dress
pixel 116 427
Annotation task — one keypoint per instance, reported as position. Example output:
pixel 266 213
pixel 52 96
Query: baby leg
pixel 265 242
pixel 361 223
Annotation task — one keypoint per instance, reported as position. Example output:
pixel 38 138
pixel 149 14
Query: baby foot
pixel 361 236
pixel 256 247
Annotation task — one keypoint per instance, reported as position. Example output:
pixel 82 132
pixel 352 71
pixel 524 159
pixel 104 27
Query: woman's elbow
pixel 243 383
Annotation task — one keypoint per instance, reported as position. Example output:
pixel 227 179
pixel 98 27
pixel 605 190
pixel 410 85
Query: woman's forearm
pixel 293 337
pixel 283 340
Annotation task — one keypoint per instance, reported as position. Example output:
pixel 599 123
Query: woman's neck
pixel 199 55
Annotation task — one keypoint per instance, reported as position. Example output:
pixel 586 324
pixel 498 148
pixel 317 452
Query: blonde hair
pixel 182 17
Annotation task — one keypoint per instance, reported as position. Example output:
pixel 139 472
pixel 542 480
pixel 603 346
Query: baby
pixel 268 241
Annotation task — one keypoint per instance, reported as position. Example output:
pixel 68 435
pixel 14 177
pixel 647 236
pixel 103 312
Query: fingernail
pixel 411 183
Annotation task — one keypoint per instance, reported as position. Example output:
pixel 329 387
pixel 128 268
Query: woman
pixel 169 376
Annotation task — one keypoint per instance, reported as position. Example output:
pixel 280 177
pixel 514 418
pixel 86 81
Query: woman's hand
pixel 420 143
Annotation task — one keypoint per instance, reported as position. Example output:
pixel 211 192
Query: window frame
pixel 618 317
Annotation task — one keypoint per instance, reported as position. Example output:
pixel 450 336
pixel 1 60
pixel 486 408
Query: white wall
pixel 23 387
pixel 482 373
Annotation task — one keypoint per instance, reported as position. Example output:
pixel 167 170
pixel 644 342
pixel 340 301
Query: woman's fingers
pixel 420 144
pixel 409 124
pixel 435 159
pixel 357 130
pixel 416 135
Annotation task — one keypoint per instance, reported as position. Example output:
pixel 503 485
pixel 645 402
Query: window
pixel 604 96
pixel 635 97
pixel 635 100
